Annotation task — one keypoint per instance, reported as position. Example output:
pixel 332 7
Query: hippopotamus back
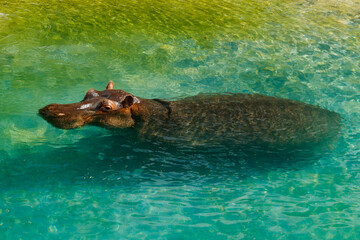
pixel 243 118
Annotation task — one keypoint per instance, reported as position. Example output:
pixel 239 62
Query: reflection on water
pixel 115 156
pixel 94 183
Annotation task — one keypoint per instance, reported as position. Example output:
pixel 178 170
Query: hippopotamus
pixel 242 118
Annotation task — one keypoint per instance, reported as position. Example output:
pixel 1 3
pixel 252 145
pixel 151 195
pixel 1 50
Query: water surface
pixel 91 183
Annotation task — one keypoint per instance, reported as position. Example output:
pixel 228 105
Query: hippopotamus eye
pixel 107 105
pixel 106 108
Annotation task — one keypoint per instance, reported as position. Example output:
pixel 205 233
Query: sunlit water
pixel 90 183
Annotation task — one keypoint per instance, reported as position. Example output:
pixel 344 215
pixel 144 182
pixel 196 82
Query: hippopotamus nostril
pixel 43 111
pixel 51 111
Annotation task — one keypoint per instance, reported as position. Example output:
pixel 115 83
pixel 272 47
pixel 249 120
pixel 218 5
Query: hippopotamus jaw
pixel 108 108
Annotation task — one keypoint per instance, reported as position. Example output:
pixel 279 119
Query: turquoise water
pixel 91 183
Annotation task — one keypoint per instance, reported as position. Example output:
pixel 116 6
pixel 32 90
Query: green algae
pixel 150 34
pixel 72 21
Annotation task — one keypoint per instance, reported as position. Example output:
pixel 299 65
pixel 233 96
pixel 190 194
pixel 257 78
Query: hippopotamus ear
pixel 129 101
pixel 110 85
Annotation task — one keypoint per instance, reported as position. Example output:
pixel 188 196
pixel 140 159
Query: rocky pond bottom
pixel 92 183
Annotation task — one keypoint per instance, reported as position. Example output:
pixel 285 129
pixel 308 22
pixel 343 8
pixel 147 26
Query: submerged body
pixel 242 118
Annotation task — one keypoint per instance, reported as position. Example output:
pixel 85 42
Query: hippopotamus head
pixel 109 108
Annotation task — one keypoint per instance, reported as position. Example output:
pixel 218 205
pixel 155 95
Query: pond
pixel 92 183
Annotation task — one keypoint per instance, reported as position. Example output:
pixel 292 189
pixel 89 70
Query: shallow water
pixel 93 183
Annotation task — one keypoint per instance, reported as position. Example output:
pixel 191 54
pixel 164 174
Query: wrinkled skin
pixel 243 118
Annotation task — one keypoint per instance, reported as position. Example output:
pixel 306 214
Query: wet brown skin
pixel 205 118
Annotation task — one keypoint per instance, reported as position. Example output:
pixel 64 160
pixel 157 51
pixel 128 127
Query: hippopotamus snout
pixel 64 116
pixel 51 111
